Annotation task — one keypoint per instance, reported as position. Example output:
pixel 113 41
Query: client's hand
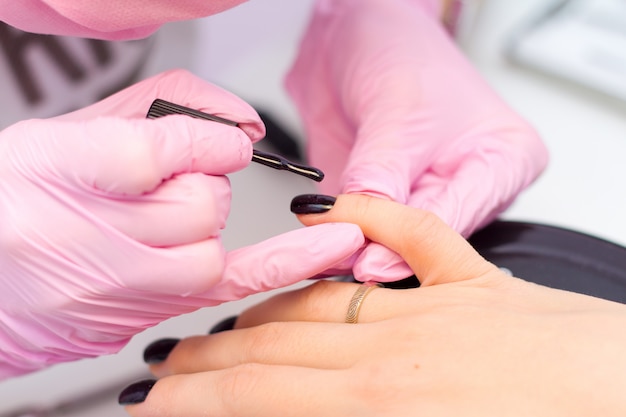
pixel 470 341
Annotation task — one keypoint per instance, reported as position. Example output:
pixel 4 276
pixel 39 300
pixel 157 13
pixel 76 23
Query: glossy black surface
pixel 311 203
pixel 224 325
pixel 136 393
pixel 159 350
pixel 556 257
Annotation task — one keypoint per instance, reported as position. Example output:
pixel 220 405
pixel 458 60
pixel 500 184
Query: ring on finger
pixel 352 315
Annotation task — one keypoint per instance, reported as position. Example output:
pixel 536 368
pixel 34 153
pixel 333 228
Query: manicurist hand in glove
pixel 392 109
pixel 110 223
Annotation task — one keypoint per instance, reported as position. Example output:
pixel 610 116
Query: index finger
pixel 180 87
pixel 435 252
pixel 133 157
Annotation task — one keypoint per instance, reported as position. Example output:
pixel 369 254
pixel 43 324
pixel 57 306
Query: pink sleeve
pixel 104 19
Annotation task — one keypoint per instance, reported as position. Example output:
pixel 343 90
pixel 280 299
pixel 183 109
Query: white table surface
pixel 582 188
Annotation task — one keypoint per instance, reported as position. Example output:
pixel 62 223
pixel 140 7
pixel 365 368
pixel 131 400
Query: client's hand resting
pixel 470 341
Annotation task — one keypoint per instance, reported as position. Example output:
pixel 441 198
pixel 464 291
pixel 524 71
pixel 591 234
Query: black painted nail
pixel 157 351
pixel 312 203
pixel 136 393
pixel 224 325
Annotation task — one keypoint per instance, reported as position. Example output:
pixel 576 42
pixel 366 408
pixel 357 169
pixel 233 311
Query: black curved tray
pixel 556 257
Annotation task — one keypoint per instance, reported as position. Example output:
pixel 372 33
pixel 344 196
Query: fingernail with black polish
pixel 136 393
pixel 157 351
pixel 224 325
pixel 312 203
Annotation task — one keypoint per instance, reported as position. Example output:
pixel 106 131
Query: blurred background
pixel 561 64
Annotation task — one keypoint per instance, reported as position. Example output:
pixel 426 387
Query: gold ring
pixel 352 316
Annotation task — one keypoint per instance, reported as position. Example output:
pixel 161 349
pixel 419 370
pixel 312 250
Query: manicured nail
pixel 312 203
pixel 224 325
pixel 136 393
pixel 157 351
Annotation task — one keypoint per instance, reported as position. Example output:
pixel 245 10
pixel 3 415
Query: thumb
pixel 435 252
pixel 135 156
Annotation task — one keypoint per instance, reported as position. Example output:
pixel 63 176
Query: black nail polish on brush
pixel 158 351
pixel 136 393
pixel 312 203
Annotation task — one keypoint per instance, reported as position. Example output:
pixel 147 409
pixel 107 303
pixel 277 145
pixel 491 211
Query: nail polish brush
pixel 161 108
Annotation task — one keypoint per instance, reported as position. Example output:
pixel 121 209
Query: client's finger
pixel 247 390
pixel 435 252
pixel 314 345
pixel 305 327
pixel 327 301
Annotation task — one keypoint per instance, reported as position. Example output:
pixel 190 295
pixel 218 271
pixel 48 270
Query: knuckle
pixel 207 198
pixel 379 385
pixel 132 150
pixel 313 300
pixel 175 74
pixel 238 382
pixel 420 228
pixel 362 207
pixel 261 342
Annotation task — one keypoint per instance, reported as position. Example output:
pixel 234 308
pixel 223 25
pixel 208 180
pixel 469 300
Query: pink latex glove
pixel 105 19
pixel 110 223
pixel 393 109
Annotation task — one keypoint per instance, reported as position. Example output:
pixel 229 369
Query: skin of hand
pixel 471 341
pixel 105 19
pixel 110 223
pixel 392 109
